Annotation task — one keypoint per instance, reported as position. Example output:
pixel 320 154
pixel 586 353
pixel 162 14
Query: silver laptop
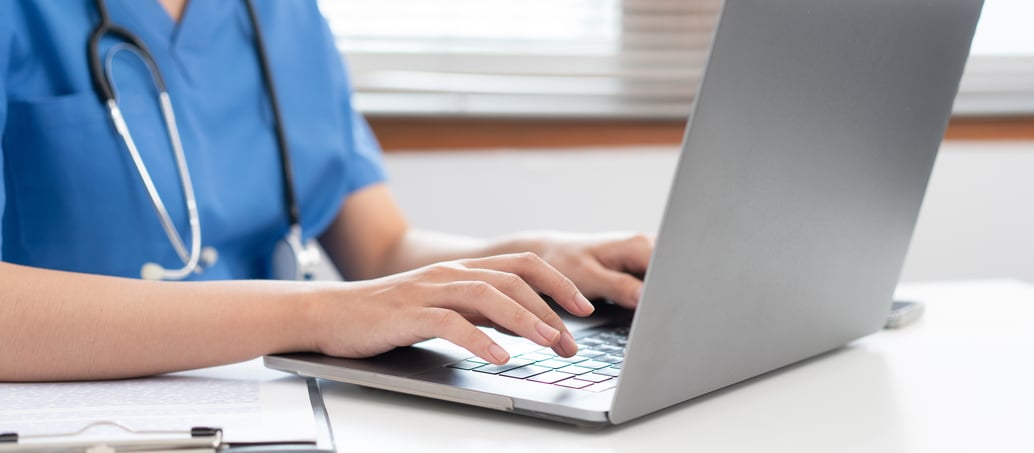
pixel 802 172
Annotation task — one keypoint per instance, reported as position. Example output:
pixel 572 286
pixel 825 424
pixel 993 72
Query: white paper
pixel 249 402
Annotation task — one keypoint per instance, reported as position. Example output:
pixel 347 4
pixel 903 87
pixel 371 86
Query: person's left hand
pixel 607 265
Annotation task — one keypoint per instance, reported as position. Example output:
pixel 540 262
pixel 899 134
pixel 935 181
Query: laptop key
pixel 574 383
pixel 595 377
pixel 573 359
pixel 496 369
pixel 602 386
pixel 606 372
pixel 465 365
pixel 574 369
pixel 610 359
pixel 552 364
pixel 590 353
pixel 594 364
pixel 535 356
pixel 525 371
pixel 550 377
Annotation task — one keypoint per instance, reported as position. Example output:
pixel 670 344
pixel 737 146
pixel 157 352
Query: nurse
pixel 258 158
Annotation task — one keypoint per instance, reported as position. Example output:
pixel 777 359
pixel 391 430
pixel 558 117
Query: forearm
pixel 370 238
pixel 60 326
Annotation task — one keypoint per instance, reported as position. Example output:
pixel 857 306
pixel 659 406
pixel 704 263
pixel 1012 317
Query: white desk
pixel 962 379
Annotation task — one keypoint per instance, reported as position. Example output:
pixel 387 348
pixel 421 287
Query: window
pixel 999 78
pixel 592 58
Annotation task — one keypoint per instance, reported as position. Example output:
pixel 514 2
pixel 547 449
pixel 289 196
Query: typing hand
pixel 609 265
pixel 447 300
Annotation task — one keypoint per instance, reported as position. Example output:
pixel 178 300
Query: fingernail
pixel 499 354
pixel 584 304
pixel 568 345
pixel 548 332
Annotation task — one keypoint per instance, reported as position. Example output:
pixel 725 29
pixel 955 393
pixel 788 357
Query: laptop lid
pixel 803 169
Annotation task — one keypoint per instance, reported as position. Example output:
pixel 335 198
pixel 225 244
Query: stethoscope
pixel 292 258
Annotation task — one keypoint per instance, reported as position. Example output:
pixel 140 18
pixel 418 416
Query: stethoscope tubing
pixel 102 85
pixel 294 215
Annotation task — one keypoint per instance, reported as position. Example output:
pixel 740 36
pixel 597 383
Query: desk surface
pixel 962 379
pixel 959 380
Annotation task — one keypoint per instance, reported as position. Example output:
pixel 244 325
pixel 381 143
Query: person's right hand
pixel 447 300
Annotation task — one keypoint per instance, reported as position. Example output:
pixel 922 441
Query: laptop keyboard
pixel 595 368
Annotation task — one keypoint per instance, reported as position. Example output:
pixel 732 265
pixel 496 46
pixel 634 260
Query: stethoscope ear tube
pixel 93 46
pixel 294 216
pixel 101 84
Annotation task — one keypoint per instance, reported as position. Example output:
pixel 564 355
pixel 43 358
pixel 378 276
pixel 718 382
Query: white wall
pixel 976 222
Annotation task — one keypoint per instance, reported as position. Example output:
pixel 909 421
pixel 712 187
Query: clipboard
pixel 195 440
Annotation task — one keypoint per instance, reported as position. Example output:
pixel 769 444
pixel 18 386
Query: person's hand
pixel 447 300
pixel 608 265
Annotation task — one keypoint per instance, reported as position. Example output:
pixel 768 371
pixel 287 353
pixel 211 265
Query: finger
pixel 541 276
pixel 567 347
pixel 481 297
pixel 631 254
pixel 480 320
pixel 451 326
pixel 620 287
pixel 518 290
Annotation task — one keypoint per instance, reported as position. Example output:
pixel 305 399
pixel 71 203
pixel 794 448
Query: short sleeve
pixel 365 166
pixel 3 185
pixel 5 57
pixel 357 162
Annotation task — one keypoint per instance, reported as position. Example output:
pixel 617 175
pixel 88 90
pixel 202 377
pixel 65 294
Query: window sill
pixel 415 134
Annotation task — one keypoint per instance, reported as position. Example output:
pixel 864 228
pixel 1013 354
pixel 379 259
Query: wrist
pixel 298 316
pixel 526 241
pixel 551 246
pixel 318 315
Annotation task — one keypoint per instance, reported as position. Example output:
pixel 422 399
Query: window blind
pixel 587 58
pixel 999 77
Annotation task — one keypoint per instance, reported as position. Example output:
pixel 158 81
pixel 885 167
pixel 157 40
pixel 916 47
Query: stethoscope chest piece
pixel 294 259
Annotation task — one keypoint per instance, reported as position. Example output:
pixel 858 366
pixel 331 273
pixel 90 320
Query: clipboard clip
pixel 195 440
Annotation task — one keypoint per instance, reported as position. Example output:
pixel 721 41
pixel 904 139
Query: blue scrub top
pixel 72 199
